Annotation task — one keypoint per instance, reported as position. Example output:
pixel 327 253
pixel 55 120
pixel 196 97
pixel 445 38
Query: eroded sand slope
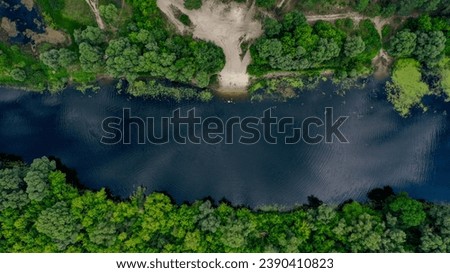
pixel 226 25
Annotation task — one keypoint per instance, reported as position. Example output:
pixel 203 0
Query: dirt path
pixel 228 26
pixel 280 4
pixel 93 4
pixel 382 61
pixel 333 17
pixel 378 21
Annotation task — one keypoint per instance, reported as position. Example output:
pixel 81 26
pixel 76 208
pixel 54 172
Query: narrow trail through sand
pixel 230 25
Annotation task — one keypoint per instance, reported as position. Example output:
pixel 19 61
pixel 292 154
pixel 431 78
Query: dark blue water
pixel 24 19
pixel 409 154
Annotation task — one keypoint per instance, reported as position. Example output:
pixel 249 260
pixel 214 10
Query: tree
pixel 122 58
pixel 18 74
pixel 403 44
pixel 50 58
pixel 57 59
pixel 430 47
pixel 109 13
pixel 406 7
pixel 12 189
pixel 93 4
pixel 361 5
pixel 66 57
pixel 58 223
pixel 272 27
pixel 410 212
pixel 292 20
pixel 91 57
pixel 91 35
pixel 354 46
pixel 192 4
pixel 326 49
pixel 361 233
pixel 95 212
pixel 266 3
pixel 269 48
pixel 37 179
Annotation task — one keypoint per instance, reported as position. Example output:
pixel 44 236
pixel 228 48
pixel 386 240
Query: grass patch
pixel 407 89
pixel 79 11
pixel 445 76
pixel 56 15
pixel 68 14
pixel 12 60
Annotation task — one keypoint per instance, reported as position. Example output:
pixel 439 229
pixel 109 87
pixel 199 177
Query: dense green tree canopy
pixel 73 220
pixel 403 44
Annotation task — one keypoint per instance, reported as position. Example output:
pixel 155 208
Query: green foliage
pixel 12 189
pixel 410 212
pixel 407 88
pixel 109 13
pixel 57 59
pixel 123 58
pixel 192 4
pixel 266 3
pixel 58 223
pixel 91 57
pixel 430 47
pixel 354 46
pixel 66 14
pixel 91 35
pixel 18 74
pixel 157 90
pixel 294 45
pixel 21 69
pixel 185 19
pixel 403 44
pixel 444 71
pixel 37 179
pixel 276 88
pixel 74 220
pixel 361 5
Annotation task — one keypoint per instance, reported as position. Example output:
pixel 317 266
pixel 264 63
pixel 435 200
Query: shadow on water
pixel 408 154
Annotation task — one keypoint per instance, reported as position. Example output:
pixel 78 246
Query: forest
pixel 134 46
pixel 43 209
pixel 137 46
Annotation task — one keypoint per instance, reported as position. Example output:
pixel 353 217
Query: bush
pixel 18 74
pixel 193 4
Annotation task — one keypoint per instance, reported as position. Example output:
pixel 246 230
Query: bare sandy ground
pixel 29 4
pixel 50 35
pixel 227 26
pixel 9 27
pixel 333 17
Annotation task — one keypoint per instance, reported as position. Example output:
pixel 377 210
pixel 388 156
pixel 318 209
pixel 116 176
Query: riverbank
pixel 54 216
pixel 233 49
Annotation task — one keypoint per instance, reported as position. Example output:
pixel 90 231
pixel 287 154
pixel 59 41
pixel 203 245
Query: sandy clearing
pixel 9 27
pixel 227 26
pixel 29 4
pixel 378 21
pixel 50 35
pixel 382 63
pixel 333 17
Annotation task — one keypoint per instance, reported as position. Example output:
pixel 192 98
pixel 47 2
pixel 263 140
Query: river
pixel 409 154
